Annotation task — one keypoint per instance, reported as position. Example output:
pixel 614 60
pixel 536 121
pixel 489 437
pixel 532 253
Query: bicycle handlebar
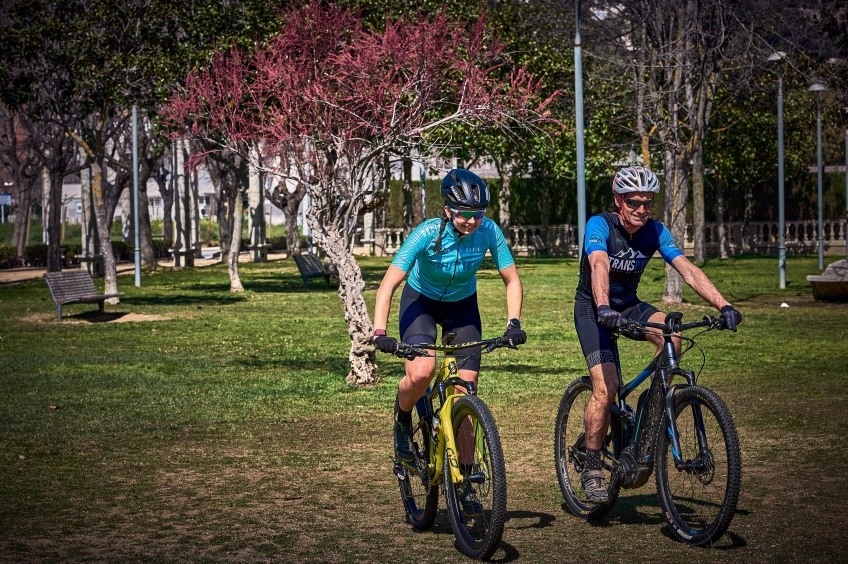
pixel 674 324
pixel 410 351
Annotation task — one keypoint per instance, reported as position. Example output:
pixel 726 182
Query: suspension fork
pixel 671 420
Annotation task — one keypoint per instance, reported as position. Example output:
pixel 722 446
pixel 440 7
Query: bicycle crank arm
pixel 476 478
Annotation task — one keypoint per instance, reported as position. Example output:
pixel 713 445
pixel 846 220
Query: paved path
pixel 10 276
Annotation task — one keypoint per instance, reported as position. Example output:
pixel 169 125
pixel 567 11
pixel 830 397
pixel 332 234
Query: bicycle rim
pixel 570 452
pixel 419 493
pixel 477 516
pixel 699 503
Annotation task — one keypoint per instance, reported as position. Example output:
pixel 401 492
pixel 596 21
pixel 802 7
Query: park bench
pixel 310 266
pixel 537 243
pixel 72 287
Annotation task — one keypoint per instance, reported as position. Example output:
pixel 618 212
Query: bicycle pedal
pixel 399 470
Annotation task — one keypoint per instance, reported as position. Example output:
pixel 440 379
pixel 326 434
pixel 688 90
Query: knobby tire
pixel 418 490
pixel 570 452
pixel 699 504
pixel 477 535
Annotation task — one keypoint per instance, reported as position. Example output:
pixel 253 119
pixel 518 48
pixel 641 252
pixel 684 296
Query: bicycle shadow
pixel 506 552
pixel 626 512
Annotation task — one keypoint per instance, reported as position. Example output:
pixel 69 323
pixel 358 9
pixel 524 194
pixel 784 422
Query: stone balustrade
pixel 756 237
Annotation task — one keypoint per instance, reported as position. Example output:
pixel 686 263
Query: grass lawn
pixel 191 424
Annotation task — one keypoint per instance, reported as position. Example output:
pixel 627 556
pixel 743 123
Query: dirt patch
pixel 94 317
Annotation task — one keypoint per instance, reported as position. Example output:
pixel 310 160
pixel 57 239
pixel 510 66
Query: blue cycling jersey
pixel 628 256
pixel 450 274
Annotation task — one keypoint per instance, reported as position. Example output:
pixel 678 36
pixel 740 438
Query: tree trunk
pixel 26 196
pixel 698 200
pixel 110 272
pixel 676 194
pixel 289 202
pixel 363 367
pixel 723 250
pixel 747 242
pixel 53 218
pixel 409 219
pixel 504 198
pixel 233 257
pixel 145 233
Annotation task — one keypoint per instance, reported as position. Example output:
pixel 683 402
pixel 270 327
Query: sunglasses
pixel 478 215
pixel 635 204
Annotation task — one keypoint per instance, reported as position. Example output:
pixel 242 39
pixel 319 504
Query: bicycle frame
pixel 445 440
pixel 664 366
pixel 443 393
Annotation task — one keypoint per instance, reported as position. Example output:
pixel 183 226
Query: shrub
pixel 35 255
pixel 122 250
pixel 9 257
pixel 160 248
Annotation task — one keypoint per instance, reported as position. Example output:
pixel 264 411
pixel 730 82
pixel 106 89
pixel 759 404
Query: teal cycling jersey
pixel 450 274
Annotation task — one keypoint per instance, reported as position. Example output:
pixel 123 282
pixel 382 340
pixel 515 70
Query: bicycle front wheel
pixel 477 505
pixel 570 452
pixel 699 499
pixel 418 491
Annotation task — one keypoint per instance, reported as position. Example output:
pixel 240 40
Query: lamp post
pixel 781 246
pixel 818 89
pixel 136 240
pixel 845 231
pixel 578 115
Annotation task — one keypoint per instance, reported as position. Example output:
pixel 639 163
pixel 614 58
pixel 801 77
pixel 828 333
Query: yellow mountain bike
pixel 456 440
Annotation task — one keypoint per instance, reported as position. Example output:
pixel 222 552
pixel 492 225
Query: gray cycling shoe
pixel 593 484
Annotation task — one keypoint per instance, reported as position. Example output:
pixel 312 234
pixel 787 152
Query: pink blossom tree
pixel 327 101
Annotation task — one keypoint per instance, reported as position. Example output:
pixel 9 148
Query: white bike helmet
pixel 635 179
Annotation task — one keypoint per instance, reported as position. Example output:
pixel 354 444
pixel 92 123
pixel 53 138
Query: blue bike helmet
pixel 464 190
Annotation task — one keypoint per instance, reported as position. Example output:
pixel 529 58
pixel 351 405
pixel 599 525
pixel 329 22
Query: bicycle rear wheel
pixel 477 506
pixel 699 501
pixel 570 452
pixel 418 491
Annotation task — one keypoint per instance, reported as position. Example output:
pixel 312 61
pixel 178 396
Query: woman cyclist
pixel 442 289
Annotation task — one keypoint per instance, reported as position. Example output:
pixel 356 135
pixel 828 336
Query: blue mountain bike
pixel 682 433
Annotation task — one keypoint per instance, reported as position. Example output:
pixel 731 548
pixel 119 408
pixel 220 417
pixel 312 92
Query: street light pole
pixel 136 242
pixel 781 246
pixel 818 88
pixel 845 232
pixel 578 115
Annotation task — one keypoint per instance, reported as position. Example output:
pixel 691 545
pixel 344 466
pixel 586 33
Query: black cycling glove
pixel 386 344
pixel 514 333
pixel 731 317
pixel 609 318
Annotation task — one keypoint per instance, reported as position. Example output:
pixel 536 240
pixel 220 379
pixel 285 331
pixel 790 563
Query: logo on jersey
pixel 630 260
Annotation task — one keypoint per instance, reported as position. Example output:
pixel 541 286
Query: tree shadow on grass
pixel 328 364
pixel 97 316
pixel 201 298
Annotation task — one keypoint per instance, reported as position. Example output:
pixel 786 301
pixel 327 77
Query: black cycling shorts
pixel 419 316
pixel 595 340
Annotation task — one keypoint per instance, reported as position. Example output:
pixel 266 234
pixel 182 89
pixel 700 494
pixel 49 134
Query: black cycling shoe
pixel 468 501
pixel 404 449
pixel 593 484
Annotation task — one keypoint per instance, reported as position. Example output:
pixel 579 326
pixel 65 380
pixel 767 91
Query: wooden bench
pixel 72 287
pixel 310 267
